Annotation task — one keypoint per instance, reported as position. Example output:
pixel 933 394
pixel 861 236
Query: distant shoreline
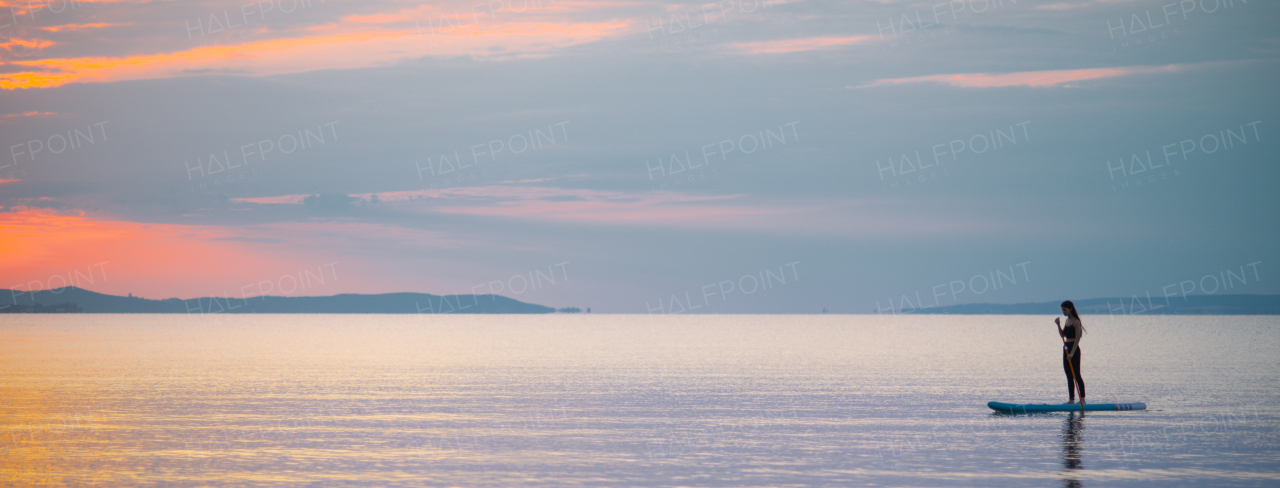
pixel 85 301
pixel 79 300
pixel 1174 305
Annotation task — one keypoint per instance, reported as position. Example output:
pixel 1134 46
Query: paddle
pixel 1065 350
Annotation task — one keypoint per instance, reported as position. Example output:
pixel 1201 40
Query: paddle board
pixel 1063 407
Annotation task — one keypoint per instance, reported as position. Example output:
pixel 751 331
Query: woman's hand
pixel 1057 321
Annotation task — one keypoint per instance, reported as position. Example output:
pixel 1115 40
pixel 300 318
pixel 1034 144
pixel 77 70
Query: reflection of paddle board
pixel 1063 407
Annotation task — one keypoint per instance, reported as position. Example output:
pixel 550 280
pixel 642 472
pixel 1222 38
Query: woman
pixel 1071 334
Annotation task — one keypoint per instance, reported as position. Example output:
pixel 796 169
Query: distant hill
pixel 93 302
pixel 42 308
pixel 1191 305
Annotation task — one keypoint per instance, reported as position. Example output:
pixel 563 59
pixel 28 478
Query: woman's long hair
pixel 1071 312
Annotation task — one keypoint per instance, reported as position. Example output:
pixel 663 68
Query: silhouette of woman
pixel 1071 334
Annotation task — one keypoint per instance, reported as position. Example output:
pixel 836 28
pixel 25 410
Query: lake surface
pixel 618 400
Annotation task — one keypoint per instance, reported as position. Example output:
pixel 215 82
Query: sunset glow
pixel 120 257
pixel 193 147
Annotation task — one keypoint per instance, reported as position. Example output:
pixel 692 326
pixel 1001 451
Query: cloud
pixel 797 45
pixel 1062 6
pixel 77 27
pixel 266 41
pixel 328 203
pixel 1025 78
pixel 32 113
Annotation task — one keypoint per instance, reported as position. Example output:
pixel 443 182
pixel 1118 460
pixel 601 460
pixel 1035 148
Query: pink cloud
pixel 1061 6
pixel 842 218
pixel 796 45
pixel 573 205
pixel 280 200
pixel 659 208
pixel 664 208
pixel 1026 78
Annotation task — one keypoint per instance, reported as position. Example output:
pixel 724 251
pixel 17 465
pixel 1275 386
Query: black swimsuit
pixel 1071 366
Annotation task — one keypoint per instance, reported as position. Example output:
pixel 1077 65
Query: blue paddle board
pixel 1063 407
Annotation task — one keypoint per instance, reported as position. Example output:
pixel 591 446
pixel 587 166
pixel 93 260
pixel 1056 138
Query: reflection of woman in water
pixel 1071 333
pixel 1071 450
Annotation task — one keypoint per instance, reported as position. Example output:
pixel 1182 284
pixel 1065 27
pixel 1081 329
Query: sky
pixel 740 156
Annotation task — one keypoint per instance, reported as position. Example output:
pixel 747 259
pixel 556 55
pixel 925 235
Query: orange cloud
pixel 1025 78
pixel 36 44
pixel 74 27
pixel 31 113
pixel 795 45
pixel 357 49
pixel 261 54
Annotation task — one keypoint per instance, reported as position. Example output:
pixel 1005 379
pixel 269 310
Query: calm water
pixel 599 400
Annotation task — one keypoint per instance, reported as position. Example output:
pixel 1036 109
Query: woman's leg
pixel 1071 380
pixel 1075 363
